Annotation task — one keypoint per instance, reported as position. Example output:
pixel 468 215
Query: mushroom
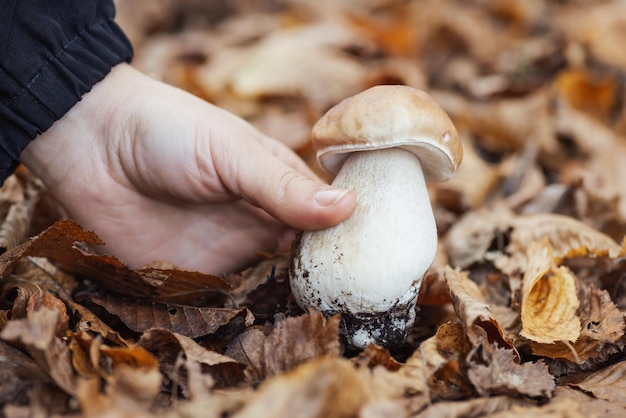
pixel 383 143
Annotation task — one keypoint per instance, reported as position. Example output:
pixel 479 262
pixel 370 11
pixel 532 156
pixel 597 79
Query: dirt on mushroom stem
pixel 391 327
pixel 369 268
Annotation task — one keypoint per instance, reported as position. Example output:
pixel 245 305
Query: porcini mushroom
pixel 383 144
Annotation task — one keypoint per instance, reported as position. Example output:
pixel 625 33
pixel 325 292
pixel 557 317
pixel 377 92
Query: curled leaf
pixel 549 299
pixel 502 237
pixel 475 314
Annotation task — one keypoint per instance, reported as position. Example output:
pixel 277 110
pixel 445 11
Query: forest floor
pixel 522 312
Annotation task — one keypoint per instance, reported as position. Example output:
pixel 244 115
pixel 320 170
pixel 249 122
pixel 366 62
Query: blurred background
pixel 535 87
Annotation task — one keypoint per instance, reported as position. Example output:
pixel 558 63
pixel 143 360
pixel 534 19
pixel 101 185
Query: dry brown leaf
pixel 263 288
pixel 549 309
pixel 19 375
pixel 327 387
pixel 500 125
pixel 290 342
pixel 473 237
pixel 504 376
pixel 393 32
pixel 565 318
pixel 18 199
pixel 576 400
pixel 436 368
pixel 193 322
pixel 473 182
pixel 435 371
pixel 116 381
pixel 522 179
pixel 593 95
pixel 520 13
pixel 300 61
pixel 99 359
pixel 45 274
pixel 559 408
pixel 598 27
pixel 390 392
pixel 479 407
pixel 189 365
pixel 37 333
pixel 601 175
pixel 375 355
pixel 434 290
pixel 168 286
pixel 129 392
pixel 450 382
pixel 140 18
pixel 15 295
pixel 608 383
pixel 450 28
pixel 480 325
pixel 287 123
pixel 88 321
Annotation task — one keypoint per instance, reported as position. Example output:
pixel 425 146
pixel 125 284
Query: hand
pixel 161 175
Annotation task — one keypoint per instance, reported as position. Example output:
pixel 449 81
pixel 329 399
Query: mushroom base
pixel 388 329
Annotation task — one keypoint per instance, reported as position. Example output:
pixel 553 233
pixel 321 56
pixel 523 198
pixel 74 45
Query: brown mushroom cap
pixel 385 117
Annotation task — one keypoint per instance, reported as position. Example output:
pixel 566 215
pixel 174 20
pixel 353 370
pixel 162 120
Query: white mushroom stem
pixel 370 267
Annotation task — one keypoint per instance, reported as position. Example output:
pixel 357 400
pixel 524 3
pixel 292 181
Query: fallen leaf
pixel 37 333
pixel 120 381
pixel 563 408
pixel 296 61
pixel 18 200
pixel 437 368
pixel 504 376
pixel 58 243
pixel 608 383
pixel 602 328
pixel 549 299
pixel 327 387
pixel 475 314
pixel 598 27
pixel 290 342
pixel 178 357
pixel 594 95
pixel 141 315
pixel 476 407
pixel 88 321
pixel 501 124
pixel 471 185
pixel 577 401
pixel 129 392
pixel 374 355
pixel 502 237
pixel 19 375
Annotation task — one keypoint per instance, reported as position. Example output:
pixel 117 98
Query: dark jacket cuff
pixel 57 86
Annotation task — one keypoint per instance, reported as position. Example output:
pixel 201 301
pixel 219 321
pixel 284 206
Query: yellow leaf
pixel 549 299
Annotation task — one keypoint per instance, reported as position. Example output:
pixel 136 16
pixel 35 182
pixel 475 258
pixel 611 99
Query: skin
pixel 161 175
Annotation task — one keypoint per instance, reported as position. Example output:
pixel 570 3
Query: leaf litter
pixel 522 312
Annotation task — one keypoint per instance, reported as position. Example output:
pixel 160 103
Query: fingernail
pixel 328 197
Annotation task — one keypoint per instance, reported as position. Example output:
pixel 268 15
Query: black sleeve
pixel 51 53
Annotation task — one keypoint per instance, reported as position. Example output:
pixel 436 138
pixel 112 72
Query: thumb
pixel 291 197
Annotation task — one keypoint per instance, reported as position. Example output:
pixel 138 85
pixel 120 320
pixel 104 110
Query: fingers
pixel 296 199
